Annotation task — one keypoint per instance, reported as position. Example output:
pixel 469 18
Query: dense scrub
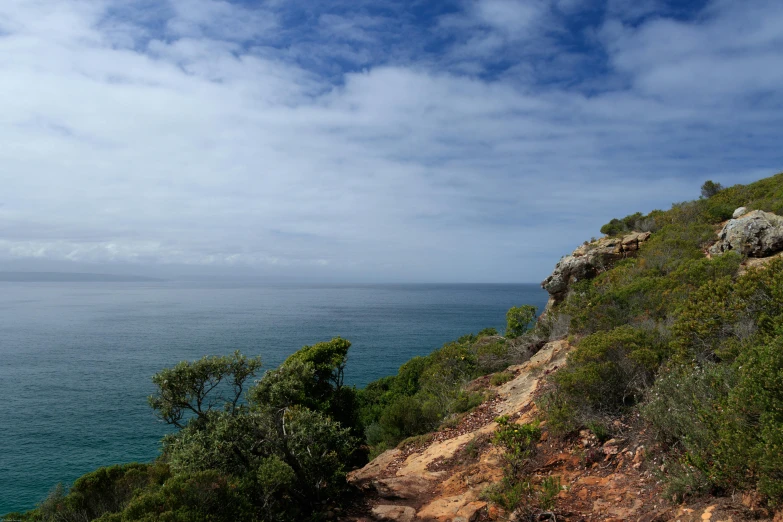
pixel 691 343
pixel 278 448
pixel 274 452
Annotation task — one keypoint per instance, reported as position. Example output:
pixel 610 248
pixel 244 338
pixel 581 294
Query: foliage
pixel 518 441
pixel 203 495
pixel 608 371
pixel 274 453
pixel 196 388
pixel 518 320
pixel 548 490
pixel 500 378
pixel 313 377
pixel 630 223
pixel 517 490
pixel 689 343
pixel 427 390
pixel 710 188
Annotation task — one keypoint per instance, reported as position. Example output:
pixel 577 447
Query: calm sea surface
pixel 76 358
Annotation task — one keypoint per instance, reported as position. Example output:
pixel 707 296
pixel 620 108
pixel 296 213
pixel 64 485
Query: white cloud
pixel 167 138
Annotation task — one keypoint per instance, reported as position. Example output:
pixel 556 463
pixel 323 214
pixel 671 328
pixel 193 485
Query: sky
pixel 369 141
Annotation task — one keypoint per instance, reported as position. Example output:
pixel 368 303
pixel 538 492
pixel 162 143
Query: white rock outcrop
pixel 754 234
pixel 590 259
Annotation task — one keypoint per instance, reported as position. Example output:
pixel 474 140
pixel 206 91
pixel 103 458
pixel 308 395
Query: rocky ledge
pixel 589 260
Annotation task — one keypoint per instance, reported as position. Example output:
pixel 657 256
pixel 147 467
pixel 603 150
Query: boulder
pixel 755 234
pixel 405 487
pixel 739 212
pixel 396 513
pixel 588 260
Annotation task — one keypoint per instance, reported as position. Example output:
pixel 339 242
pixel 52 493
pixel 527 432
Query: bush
pixel 609 370
pixel 561 414
pixel 501 378
pixel 405 417
pixel 750 442
pixel 518 320
pixel 518 441
pixel 710 188
pixel 204 495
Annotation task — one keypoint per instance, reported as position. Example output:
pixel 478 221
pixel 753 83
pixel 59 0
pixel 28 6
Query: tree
pixel 518 319
pixel 312 377
pixel 196 388
pixel 710 188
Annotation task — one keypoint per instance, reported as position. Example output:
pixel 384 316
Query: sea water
pixel 76 358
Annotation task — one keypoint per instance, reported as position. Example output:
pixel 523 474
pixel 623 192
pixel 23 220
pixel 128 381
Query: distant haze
pixel 36 277
pixel 451 141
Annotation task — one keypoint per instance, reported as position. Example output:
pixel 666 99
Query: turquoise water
pixel 76 358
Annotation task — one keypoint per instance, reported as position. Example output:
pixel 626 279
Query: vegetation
pixel 519 319
pixel 710 188
pixel 694 345
pixel 276 448
pixel 275 452
pixel 428 390
pixel 517 491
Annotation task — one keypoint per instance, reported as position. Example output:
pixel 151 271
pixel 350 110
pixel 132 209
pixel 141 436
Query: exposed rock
pixel 433 481
pixel 755 234
pixel 453 494
pixel 404 487
pixel 470 511
pixel 363 477
pixel 739 212
pixel 588 260
pixel 395 513
pixel 446 509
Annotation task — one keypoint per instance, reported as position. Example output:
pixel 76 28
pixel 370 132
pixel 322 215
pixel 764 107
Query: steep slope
pixel 692 305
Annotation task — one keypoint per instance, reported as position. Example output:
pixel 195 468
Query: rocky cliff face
pixel 589 260
pixel 752 234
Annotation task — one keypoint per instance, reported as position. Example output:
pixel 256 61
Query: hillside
pixel 661 400
pixel 650 389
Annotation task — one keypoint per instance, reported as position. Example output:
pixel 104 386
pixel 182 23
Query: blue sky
pixel 473 141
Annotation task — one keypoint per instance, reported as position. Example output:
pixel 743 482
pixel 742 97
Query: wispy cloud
pixel 476 141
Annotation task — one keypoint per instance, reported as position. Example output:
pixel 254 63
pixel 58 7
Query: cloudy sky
pixel 405 140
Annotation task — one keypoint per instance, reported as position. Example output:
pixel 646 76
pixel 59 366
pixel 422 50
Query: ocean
pixel 76 358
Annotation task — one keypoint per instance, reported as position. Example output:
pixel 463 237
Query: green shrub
pixel 547 492
pixel 682 406
pixel 561 414
pixel 486 332
pixel 501 378
pixel 204 495
pixel 466 401
pixel 611 369
pixel 510 494
pixel 627 224
pixel 750 442
pixel 518 320
pixel 710 188
pixel 405 417
pixel 518 441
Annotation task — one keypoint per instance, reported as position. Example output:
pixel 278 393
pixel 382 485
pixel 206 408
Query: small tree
pixel 710 188
pixel 198 387
pixel 312 377
pixel 518 320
